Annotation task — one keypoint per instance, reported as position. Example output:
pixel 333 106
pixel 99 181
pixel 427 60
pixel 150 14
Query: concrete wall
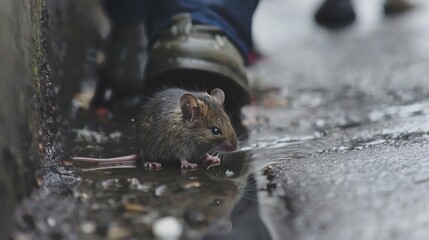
pixel 24 83
pixel 47 49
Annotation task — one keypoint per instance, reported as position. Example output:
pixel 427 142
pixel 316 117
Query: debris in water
pixel 134 207
pixel 191 184
pixel 135 184
pixel 160 190
pixel 116 232
pixel 39 182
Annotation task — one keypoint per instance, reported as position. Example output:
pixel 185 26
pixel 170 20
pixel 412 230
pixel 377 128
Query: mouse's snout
pixel 228 146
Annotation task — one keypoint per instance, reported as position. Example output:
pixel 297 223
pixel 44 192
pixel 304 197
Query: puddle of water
pixel 132 201
pixel 126 199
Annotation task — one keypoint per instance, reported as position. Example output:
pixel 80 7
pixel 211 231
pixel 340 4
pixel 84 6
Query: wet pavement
pixel 338 146
pixel 348 129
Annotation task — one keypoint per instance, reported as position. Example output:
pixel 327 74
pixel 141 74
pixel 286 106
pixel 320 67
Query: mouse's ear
pixel 218 94
pixel 190 108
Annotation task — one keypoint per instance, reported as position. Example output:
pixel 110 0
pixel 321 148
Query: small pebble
pixel 51 222
pixel 84 195
pixel 88 227
pixel 167 228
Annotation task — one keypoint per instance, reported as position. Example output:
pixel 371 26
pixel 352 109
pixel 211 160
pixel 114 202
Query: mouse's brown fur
pixel 173 127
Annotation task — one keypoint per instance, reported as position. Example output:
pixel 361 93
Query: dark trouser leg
pixel 335 14
pixel 121 75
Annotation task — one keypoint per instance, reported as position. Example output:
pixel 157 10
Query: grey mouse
pixel 182 126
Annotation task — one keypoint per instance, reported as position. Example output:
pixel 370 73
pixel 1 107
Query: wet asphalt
pixel 338 143
pixel 347 131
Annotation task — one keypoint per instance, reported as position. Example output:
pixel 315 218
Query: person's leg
pixel 335 14
pixel 121 74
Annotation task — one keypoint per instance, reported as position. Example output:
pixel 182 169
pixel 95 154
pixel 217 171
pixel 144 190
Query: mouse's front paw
pixel 210 161
pixel 187 165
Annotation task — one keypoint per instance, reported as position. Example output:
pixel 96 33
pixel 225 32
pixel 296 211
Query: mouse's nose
pixel 228 146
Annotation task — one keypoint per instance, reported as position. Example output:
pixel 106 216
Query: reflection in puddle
pixel 131 201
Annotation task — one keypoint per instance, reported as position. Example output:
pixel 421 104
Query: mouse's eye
pixel 217 202
pixel 215 130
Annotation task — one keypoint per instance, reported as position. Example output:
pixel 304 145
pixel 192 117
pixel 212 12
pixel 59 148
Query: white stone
pixel 167 228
